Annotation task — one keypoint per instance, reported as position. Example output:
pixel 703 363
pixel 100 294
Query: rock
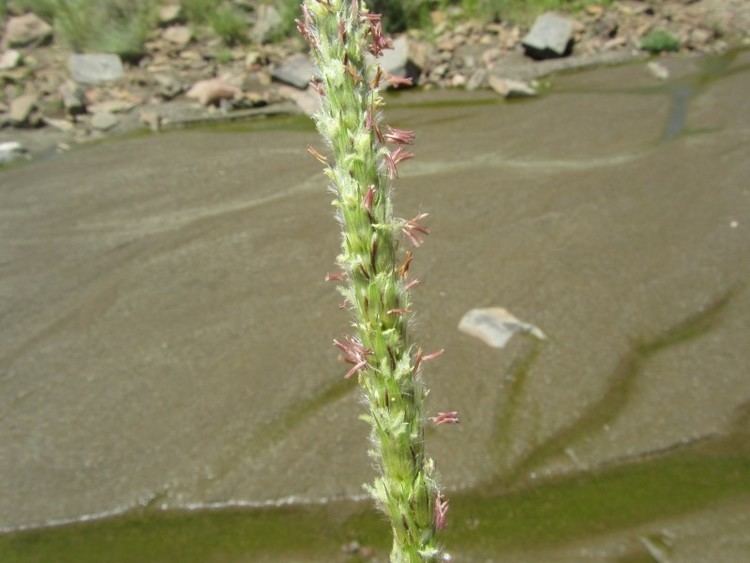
pixel 179 35
pixel 21 109
pixel 307 100
pixel 170 14
pixel 252 59
pixel 477 80
pixel 10 60
pixel 606 27
pixel 60 124
pixel 213 91
pixel 509 88
pixel 658 70
pixel 28 30
pixel 267 24
pixel 151 119
pixel 74 98
pixel 104 121
pixel 495 326
pixel 397 62
pixel 112 106
pixel 11 151
pixel 297 71
pixel 168 87
pixel 700 37
pixel 95 68
pixel 550 36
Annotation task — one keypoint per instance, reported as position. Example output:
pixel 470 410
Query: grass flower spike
pixel 374 267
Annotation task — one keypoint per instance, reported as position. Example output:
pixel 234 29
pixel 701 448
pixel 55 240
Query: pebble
pixel 495 326
pixel 179 35
pixel 511 88
pixel 21 109
pixel 10 60
pixel 11 151
pixel 658 70
pixel 104 121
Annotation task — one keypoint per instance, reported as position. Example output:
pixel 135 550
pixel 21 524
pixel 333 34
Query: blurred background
pixel 168 387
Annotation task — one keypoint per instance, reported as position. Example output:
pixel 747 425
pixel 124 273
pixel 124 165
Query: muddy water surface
pixel 165 335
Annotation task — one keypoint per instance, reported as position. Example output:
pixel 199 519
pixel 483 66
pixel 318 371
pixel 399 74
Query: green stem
pixel 384 360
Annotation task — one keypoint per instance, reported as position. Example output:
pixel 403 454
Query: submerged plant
pixel 374 276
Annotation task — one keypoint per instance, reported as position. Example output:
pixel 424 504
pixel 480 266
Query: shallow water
pixel 165 333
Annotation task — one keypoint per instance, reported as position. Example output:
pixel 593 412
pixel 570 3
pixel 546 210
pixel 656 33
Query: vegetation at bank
pixel 123 26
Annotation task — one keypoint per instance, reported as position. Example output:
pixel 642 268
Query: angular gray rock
pixel 398 61
pixel 267 24
pixel 551 36
pixel 95 68
pixel 21 109
pixel 104 121
pixel 11 151
pixel 297 70
pixel 28 30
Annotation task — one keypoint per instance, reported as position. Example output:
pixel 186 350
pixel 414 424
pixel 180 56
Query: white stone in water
pixel 11 151
pixel 495 326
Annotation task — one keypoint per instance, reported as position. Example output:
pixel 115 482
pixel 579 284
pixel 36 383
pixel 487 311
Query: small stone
pixel 658 70
pixel 151 119
pixel 700 37
pixel 112 106
pixel 252 59
pixel 398 61
pixel 213 91
pixel 458 81
pixel 168 87
pixel 104 121
pixel 95 68
pixel 11 151
pixel 511 88
pixel 495 326
pixel 267 24
pixel 307 100
pixel 21 109
pixel 477 80
pixel 74 98
pixel 60 124
pixel 28 30
pixel 297 71
pixel 170 14
pixel 179 35
pixel 550 36
pixel 10 60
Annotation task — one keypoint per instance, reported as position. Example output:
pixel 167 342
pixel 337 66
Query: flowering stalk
pixel 375 271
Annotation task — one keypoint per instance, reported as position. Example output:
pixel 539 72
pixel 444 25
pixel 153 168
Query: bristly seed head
pixel 353 352
pixel 400 136
pixel 414 230
pixel 441 511
pixel 394 158
pixel 449 417
pixel 317 155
